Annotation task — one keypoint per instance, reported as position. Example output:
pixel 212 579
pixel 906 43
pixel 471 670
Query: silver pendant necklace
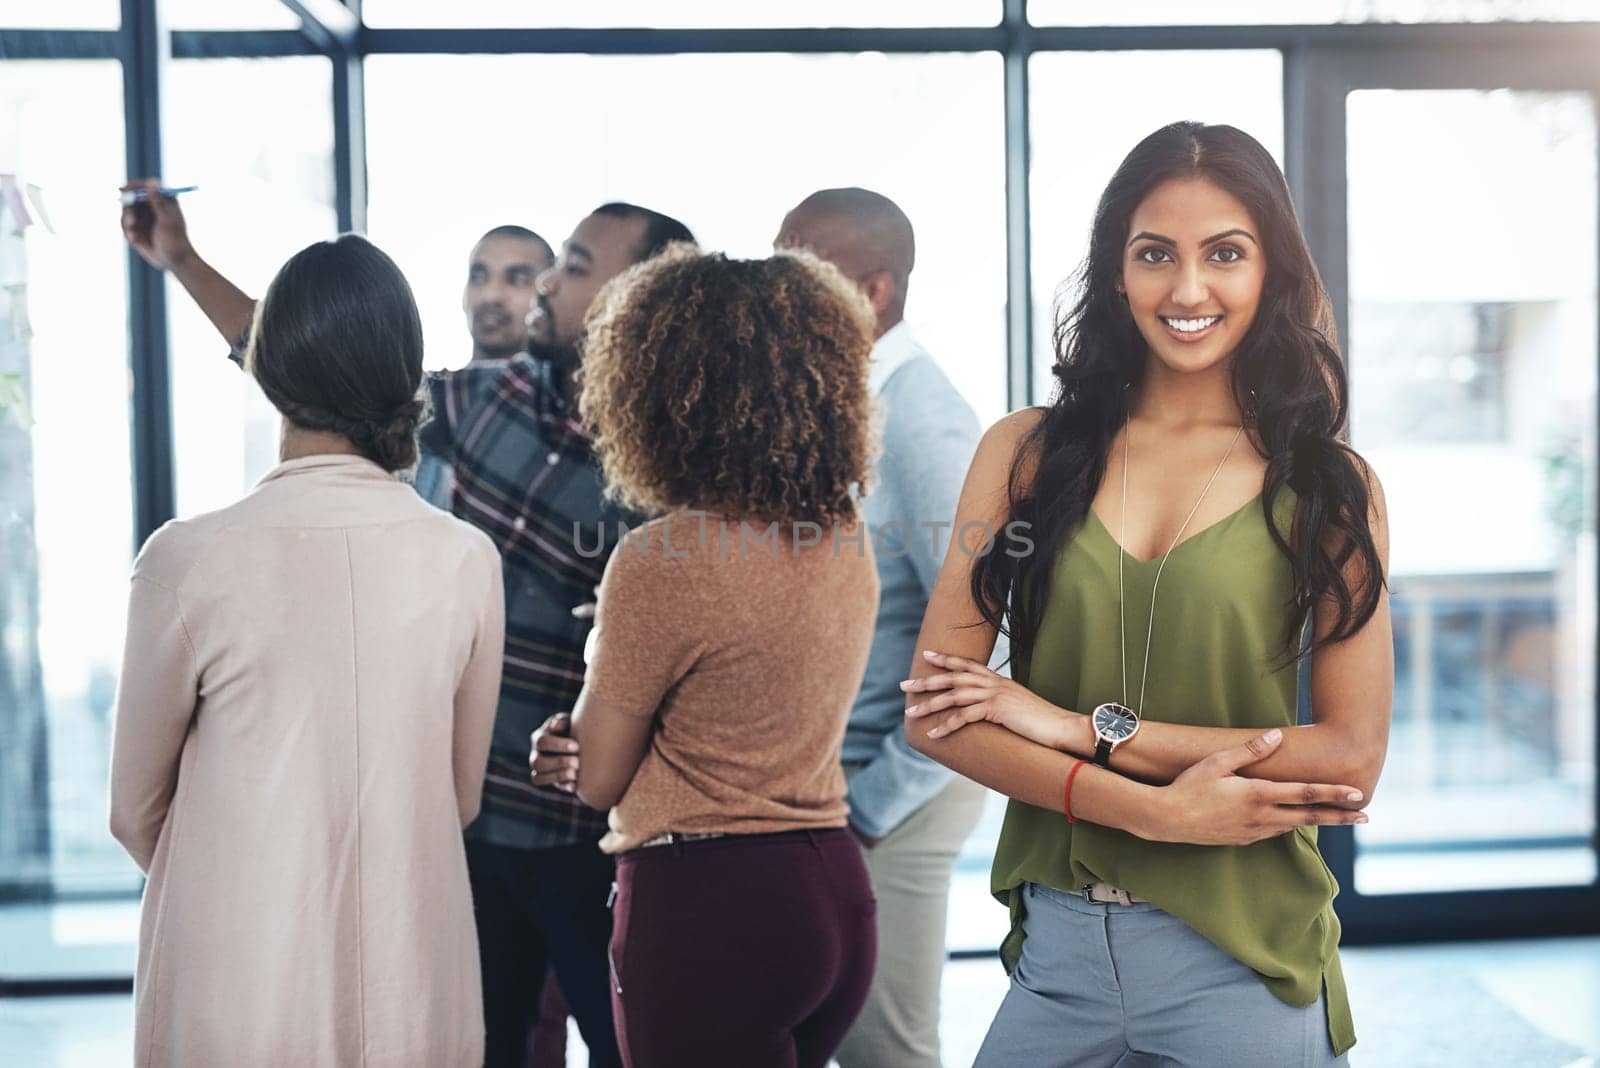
pixel 1115 723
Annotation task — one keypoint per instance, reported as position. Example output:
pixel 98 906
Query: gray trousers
pixel 910 871
pixel 1131 986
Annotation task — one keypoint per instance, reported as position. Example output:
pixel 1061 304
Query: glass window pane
pixel 975 920
pixel 233 15
pixel 1077 144
pixel 60 15
pixel 667 133
pixel 66 538
pixel 1472 363
pixel 256 135
pixel 680 14
pixel 1303 12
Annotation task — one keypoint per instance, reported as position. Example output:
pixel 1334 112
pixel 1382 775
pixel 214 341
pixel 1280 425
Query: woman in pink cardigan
pixel 304 714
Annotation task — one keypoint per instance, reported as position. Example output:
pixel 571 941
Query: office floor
pixel 1528 1004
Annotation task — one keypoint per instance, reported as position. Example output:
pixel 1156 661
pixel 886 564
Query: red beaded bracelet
pixel 1073 774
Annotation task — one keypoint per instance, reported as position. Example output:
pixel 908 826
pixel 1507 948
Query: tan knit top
pixel 746 645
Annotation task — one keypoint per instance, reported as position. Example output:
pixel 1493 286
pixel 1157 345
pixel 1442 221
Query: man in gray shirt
pixel 910 814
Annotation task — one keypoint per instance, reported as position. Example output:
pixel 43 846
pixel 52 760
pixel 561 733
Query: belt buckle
pixel 1119 897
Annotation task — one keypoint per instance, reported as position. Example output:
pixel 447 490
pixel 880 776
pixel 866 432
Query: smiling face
pixel 1192 269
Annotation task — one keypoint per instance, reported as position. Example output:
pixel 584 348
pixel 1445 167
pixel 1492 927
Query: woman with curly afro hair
pixel 731 634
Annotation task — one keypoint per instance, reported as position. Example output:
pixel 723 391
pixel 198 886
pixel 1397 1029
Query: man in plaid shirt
pixel 524 474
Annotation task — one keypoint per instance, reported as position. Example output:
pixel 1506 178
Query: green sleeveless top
pixel 1216 660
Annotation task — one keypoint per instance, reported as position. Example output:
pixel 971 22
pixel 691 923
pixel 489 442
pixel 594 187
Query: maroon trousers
pixel 750 951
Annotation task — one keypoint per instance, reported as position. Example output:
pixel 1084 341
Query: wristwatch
pixel 1113 725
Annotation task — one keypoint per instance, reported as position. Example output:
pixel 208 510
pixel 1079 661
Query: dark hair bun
pixel 393 443
pixel 337 347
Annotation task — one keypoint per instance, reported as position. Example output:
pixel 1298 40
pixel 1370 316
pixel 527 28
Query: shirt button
pixel 552 459
pixel 518 523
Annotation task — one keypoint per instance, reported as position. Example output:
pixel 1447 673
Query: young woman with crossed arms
pixel 1187 486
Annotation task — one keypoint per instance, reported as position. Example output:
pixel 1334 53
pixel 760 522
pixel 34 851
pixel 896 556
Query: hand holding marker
pixel 138 196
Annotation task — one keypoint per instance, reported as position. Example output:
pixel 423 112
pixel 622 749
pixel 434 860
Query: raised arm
pixel 156 229
pixel 1208 804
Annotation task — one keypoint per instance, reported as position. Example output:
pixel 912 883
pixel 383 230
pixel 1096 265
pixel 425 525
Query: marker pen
pixel 136 196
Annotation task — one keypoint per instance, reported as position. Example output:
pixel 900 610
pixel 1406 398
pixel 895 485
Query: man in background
pixel 527 477
pixel 910 814
pixel 500 274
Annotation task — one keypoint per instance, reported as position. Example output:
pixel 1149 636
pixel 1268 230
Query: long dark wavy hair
pixel 1287 377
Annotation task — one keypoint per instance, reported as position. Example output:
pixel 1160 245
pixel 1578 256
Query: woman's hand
pixel 1209 804
pixel 972 693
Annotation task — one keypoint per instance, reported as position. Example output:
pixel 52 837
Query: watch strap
pixel 1102 752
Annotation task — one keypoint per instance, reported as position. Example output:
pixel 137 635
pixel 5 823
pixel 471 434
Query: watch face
pixel 1114 722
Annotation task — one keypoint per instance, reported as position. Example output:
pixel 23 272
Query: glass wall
pixel 1303 12
pixel 727 143
pixel 234 15
pixel 256 135
pixel 66 536
pixel 1472 358
pixel 1076 149
pixel 60 15
pixel 680 13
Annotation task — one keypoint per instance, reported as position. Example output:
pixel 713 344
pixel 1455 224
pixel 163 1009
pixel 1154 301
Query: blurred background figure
pixel 500 274
pixel 911 814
